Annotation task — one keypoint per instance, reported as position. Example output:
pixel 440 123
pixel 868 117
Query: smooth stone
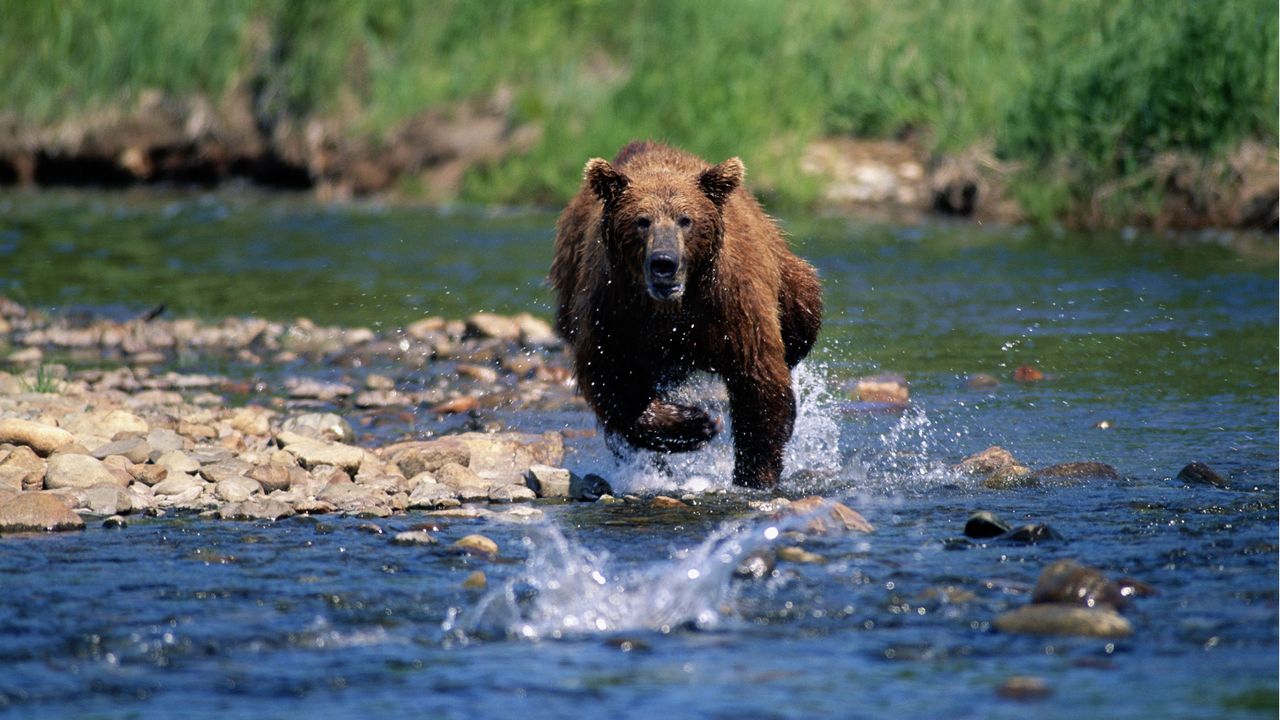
pixel 256 509
pixel 43 439
pixel 178 483
pixel 477 543
pixel 78 471
pixel 432 496
pixel 415 458
pixel 356 499
pixel 413 537
pixel 511 493
pixel 105 500
pixel 163 440
pixel 251 421
pixel 37 512
pixel 105 424
pixel 1067 581
pixel 115 522
pixel 548 481
pixel 822 516
pixel 1198 473
pixel 458 477
pixel 277 476
pixel 1063 619
pixel 314 452
pixel 475 581
pixel 326 427
pixel 491 326
pixel 983 524
pixel 236 489
pixel 22 469
pixel 176 461
pixel 981 381
pixel 210 454
pixel 224 470
pixel 665 502
pixel 135 448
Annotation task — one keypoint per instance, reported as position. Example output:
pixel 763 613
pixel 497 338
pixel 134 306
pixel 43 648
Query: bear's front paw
pixel 670 427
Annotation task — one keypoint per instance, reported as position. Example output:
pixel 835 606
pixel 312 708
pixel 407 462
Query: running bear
pixel 665 264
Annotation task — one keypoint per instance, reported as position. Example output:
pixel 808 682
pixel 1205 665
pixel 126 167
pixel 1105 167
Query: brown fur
pixel 749 309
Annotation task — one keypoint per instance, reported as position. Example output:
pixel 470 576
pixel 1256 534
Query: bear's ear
pixel 605 181
pixel 720 181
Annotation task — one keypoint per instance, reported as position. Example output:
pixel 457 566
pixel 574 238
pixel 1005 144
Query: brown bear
pixel 664 265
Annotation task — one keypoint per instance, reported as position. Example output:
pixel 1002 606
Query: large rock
pixel 176 483
pixel 277 476
pixel 548 481
pixel 1198 473
pixel 489 325
pixel 36 512
pixel 135 448
pixel 21 469
pixel 41 438
pixel 176 461
pixel 312 452
pixel 67 470
pixel 512 452
pixel 1076 472
pixel 1067 581
pixel 105 500
pixel 105 423
pixel 236 489
pixel 432 496
pixel 414 458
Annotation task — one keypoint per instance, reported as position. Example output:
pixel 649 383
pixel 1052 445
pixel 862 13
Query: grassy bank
pixel 1074 94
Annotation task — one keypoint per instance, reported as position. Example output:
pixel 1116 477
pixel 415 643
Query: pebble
pixel 478 544
pixel 176 461
pixel 178 483
pixel 982 381
pixel 43 439
pixel 460 477
pixel 432 496
pixel 257 509
pixel 314 452
pixel 135 448
pixel 105 500
pixel 37 512
pixel 665 502
pixel 78 471
pixel 1198 473
pixel 475 581
pixel 236 489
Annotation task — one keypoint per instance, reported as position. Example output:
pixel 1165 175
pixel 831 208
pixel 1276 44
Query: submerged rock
pixel 826 516
pixel 477 543
pixel 1024 688
pixel 886 388
pixel 413 537
pixel 996 468
pixel 38 512
pixel 983 524
pixel 1031 534
pixel 1198 473
pixel 1067 581
pixel 1077 472
pixel 1063 619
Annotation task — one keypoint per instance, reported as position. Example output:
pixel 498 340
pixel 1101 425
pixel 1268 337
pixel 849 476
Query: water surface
pixel 594 611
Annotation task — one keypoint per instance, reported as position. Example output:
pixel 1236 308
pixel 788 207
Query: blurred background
pixel 1090 113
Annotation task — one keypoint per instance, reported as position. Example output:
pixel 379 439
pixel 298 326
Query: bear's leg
pixel 763 406
pixel 800 310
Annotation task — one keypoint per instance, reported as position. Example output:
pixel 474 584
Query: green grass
pixel 1075 92
pixel 44 381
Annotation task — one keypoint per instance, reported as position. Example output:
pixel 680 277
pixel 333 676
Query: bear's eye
pixel 684 223
pixel 642 223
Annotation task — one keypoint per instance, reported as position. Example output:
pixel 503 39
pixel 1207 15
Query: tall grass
pixel 1076 91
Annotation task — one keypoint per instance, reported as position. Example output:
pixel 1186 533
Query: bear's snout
pixel 663 271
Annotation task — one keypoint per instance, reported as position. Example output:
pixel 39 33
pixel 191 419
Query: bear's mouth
pixel 665 291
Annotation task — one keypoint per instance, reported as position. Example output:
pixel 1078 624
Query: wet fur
pixel 751 309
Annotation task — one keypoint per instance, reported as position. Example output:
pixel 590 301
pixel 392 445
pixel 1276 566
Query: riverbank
pixel 883 109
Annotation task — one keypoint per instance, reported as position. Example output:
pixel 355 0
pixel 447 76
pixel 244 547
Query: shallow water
pixel 628 611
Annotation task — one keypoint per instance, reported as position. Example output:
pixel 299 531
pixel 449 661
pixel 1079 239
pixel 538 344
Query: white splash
pixel 568 590
pixel 814 445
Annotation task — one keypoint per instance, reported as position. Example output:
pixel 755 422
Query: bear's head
pixel 662 228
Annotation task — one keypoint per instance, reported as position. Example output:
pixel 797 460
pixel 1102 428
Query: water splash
pixel 568 590
pixel 907 456
pixel 814 447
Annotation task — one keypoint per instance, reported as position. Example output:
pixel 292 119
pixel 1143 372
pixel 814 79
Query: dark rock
pixel 1077 471
pixel 590 487
pixel 983 524
pixel 1067 581
pixel 115 522
pixel 1197 473
pixel 1031 534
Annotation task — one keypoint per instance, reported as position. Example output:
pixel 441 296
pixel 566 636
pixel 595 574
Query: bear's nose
pixel 663 265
